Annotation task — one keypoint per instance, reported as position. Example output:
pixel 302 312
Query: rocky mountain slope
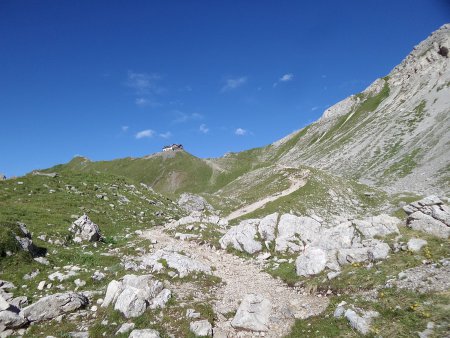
pixel 394 134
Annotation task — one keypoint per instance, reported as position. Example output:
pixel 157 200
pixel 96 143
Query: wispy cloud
pixel 203 128
pixel 240 132
pixel 125 128
pixel 147 133
pixel 231 84
pixel 182 117
pixel 166 135
pixel 144 83
pixel 285 78
pixel 314 108
pixel 146 87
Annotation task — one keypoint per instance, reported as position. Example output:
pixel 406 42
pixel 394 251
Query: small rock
pixel 253 313
pixel 416 244
pixel 125 328
pixel 145 333
pixel 41 285
pixel 201 328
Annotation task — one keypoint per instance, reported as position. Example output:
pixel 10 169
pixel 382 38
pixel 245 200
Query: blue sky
pixel 110 79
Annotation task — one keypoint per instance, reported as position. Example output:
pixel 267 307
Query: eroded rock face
pixel 85 230
pixel 11 320
pixel 429 215
pixel 52 306
pixel 253 313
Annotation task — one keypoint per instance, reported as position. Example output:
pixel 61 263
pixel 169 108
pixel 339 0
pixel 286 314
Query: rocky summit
pixel 337 230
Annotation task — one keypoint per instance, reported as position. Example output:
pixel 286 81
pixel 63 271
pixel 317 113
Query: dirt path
pixel 241 276
pixel 296 183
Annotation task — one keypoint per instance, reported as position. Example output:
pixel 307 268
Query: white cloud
pixel 204 129
pixel 166 135
pixel 314 108
pixel 145 134
pixel 144 83
pixel 125 128
pixel 231 84
pixel 183 117
pixel 285 78
pixel 240 132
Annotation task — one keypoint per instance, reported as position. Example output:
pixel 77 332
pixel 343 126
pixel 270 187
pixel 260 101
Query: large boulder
pixel 429 215
pixel 294 231
pixel 134 294
pixel 85 230
pixel 253 313
pixel 311 262
pixel 242 237
pixel 52 306
pixel 131 302
pixel 191 202
pixel 183 264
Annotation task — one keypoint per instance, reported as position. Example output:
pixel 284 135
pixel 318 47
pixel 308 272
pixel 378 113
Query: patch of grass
pixel 404 166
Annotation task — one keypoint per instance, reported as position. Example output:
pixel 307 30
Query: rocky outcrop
pixel 134 294
pixel 429 215
pixel 166 258
pixel 320 245
pixel 253 313
pixel 85 230
pixel 52 306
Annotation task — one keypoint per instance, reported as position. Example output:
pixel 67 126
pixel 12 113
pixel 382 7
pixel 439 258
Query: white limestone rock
pixel 52 306
pixel 86 230
pixel 360 323
pixel 293 231
pixel 131 302
pixel 144 333
pixel 112 292
pixel 253 313
pixel 201 328
pixel 267 227
pixel 380 225
pixel 126 327
pixel 242 237
pixel 416 244
pixel 311 262
pixel 183 264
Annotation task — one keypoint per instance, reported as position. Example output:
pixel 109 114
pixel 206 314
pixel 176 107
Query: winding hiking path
pixel 242 276
pixel 296 183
